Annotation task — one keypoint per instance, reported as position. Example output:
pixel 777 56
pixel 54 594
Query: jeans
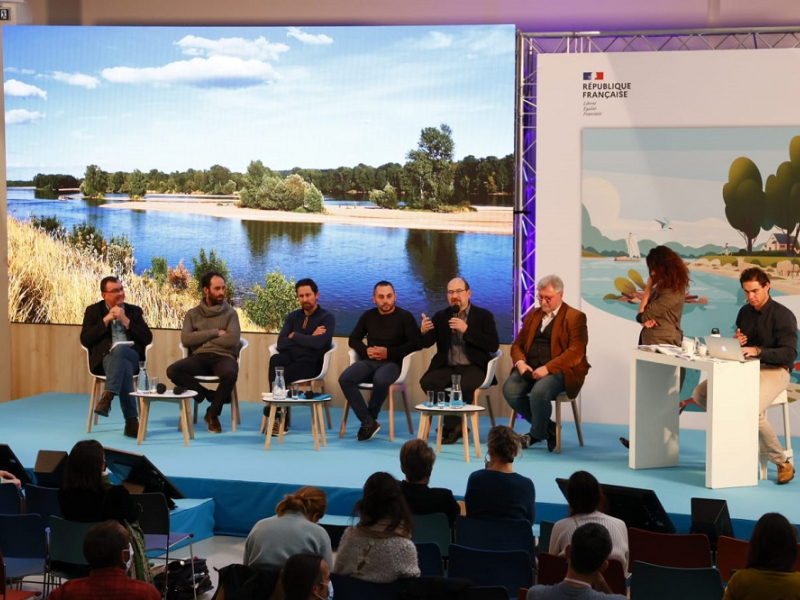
pixel 120 365
pixel 381 373
pixel 533 399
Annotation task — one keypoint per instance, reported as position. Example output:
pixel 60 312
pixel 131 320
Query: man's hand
pixel 117 313
pixel 649 324
pixel 740 337
pixel 523 367
pixel 750 351
pixel 540 372
pixel 427 324
pixel 457 324
pixel 221 332
pixel 319 330
pixel 377 353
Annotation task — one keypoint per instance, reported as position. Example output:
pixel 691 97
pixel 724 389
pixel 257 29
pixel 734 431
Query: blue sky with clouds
pixel 173 98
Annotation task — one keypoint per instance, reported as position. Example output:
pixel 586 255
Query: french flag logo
pixel 596 76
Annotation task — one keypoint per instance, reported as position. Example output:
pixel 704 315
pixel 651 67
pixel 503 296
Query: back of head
pixel 299 575
pixel 416 460
pixel 104 544
pixel 502 443
pixel 309 500
pixel 668 269
pixel 583 493
pixel 384 501
pixel 773 545
pixel 84 469
pixel 589 548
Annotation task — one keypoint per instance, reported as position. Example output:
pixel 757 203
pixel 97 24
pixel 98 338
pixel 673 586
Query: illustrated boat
pixel 633 250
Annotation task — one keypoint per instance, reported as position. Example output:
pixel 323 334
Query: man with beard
pixel 211 333
pixel 465 337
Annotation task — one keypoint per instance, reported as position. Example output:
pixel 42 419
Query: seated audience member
pixel 496 492
pixel 769 571
pixel 379 547
pixel 587 556
pixel 6 477
pixel 306 577
pixel 586 501
pixel 293 530
pixel 416 462
pixel 108 552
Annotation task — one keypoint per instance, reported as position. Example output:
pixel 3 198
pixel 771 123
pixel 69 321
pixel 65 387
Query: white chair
pixel 491 370
pixel 308 384
pixel 97 380
pixel 236 418
pixel 791 394
pixel 398 386
pixel 561 398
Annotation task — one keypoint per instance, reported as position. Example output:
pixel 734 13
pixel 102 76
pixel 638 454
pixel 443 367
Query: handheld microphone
pixel 178 390
pixel 454 311
pixel 161 388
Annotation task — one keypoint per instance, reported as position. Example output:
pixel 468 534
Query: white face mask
pixel 330 592
pixel 129 562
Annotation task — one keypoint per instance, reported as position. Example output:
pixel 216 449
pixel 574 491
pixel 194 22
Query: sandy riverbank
pixel 495 221
pixel 782 284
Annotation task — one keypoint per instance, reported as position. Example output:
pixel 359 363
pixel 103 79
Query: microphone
pixel 178 390
pixel 454 312
pixel 161 388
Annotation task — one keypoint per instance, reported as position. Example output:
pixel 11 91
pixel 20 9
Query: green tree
pixel 385 198
pixel 430 167
pixel 95 182
pixel 138 187
pixel 273 302
pixel 207 263
pixel 313 200
pixel 159 269
pixel 745 207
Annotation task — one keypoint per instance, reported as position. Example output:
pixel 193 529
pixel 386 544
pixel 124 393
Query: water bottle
pixel 279 385
pixel 142 382
pixel 456 397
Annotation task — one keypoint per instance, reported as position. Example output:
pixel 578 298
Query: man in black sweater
pixel 391 333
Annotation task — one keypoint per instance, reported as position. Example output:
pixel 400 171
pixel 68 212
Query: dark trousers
pixel 292 371
pixel 438 379
pixel 182 373
pixel 381 373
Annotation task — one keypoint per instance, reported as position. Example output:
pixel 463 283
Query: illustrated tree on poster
pixel 744 197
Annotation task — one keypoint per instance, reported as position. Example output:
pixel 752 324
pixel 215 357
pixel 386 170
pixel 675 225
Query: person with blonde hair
pixel 293 530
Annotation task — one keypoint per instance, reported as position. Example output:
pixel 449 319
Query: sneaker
pixel 367 432
pixel 785 473
pixel 526 441
pixel 131 427
pixel 213 423
pixel 104 404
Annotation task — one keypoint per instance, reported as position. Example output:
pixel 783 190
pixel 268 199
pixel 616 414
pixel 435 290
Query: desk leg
pixel 655 434
pixel 438 434
pixel 314 425
pixel 476 437
pixel 321 423
pixel 465 436
pixel 184 410
pixel 144 412
pixel 270 423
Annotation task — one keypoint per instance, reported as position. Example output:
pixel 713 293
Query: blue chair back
pixel 433 528
pixel 655 582
pixel 511 569
pixel 22 536
pixel 350 588
pixel 507 534
pixel 42 501
pixel 429 560
pixel 545 532
pixel 10 499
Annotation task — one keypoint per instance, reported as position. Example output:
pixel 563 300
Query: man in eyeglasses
pixel 465 336
pixel 549 357
pixel 116 335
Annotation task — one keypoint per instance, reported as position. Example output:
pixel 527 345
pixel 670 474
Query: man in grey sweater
pixel 211 333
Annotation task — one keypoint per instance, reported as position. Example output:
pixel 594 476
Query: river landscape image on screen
pixel 346 154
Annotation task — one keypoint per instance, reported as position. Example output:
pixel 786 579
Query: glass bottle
pixel 142 383
pixel 279 385
pixel 456 396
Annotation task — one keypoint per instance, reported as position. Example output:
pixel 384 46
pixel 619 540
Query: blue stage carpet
pixel 246 482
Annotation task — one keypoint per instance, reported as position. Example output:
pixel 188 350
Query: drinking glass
pixel 295 391
pixel 431 398
pixel 440 399
pixel 153 381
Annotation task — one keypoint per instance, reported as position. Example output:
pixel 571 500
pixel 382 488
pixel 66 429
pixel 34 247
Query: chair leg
pixel 391 413
pixel 328 415
pixel 787 433
pixel 577 416
pixel 92 403
pixel 344 418
pixel 235 418
pixel 558 427
pixel 408 414
pixel 512 419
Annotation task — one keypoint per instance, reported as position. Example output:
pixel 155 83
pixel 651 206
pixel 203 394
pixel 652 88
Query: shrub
pixel 273 302
pixel 205 264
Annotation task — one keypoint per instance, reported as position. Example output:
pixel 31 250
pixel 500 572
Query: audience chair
pixel 511 569
pixel 96 387
pixel 308 384
pixel 684 550
pixel 10 499
pixel 791 394
pixel 433 528
pixel 656 582
pixel 545 532
pixel 155 523
pixel 350 588
pixel 576 415
pixel 505 534
pixel 42 501
pixel 731 556
pixel 398 386
pixel 9 594
pixel 67 560
pixel 236 418
pixel 429 559
pixel 23 542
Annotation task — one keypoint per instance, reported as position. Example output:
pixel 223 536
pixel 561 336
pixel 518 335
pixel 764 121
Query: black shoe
pixel 131 427
pixel 367 432
pixel 551 437
pixel 453 436
pixel 104 404
pixel 625 442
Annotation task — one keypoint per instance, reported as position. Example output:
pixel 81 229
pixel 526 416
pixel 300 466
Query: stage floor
pixel 56 421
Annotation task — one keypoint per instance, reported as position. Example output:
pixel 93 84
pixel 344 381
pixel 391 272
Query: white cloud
pixel 308 38
pixel 217 71
pixel 21 71
pixel 77 79
pixel 18 89
pixel 21 116
pixel 435 40
pixel 258 49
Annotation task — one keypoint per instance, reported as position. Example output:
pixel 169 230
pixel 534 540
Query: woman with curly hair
pixel 662 304
pixel 379 547
pixel 496 492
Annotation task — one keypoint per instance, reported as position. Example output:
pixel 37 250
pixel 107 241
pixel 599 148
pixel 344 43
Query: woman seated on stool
pixel 496 492
pixel 379 547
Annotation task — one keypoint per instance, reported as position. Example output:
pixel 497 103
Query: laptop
pixel 725 348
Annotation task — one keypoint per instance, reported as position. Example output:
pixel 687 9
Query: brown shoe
pixel 213 423
pixel 132 427
pixel 104 404
pixel 785 473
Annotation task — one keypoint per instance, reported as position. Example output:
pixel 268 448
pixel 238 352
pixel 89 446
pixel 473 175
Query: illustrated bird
pixel 664 222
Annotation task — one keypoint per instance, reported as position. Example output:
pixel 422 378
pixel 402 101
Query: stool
pixel 783 400
pixel 562 397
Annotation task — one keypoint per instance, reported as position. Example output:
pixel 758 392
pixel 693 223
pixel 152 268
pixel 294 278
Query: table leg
pixel 421 433
pixel 465 436
pixel 438 434
pixel 270 423
pixel 476 436
pixel 144 412
pixel 281 424
pixel 314 425
pixel 183 405
pixel 321 423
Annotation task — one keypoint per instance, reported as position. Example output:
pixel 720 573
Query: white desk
pixel 732 429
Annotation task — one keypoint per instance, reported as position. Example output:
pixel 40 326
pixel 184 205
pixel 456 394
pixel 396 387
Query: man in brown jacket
pixel 549 357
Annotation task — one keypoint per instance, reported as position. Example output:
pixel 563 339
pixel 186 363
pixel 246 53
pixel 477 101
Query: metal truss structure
pixel 529 47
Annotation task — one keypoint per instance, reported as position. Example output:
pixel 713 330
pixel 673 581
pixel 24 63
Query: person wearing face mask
pixel 306 577
pixel 107 548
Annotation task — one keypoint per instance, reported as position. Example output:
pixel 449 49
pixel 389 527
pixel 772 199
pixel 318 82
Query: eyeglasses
pixel 547 299
pixel 115 291
pixel 455 292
